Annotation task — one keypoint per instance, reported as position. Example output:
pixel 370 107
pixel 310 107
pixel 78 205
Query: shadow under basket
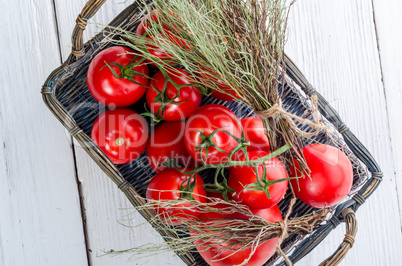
pixel 66 94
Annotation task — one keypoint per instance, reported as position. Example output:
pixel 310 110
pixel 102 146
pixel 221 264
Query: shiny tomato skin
pixel 254 132
pixel 167 141
pixel 122 134
pixel 109 90
pixel 241 176
pixel 208 118
pixel 331 176
pixel 165 186
pixel 215 256
pixel 189 98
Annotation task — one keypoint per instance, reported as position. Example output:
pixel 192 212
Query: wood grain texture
pixel 38 189
pixel 334 43
pixel 388 23
pixel 105 206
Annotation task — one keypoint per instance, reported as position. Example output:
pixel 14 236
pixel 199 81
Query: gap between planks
pixel 79 185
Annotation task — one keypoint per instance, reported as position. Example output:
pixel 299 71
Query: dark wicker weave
pixel 66 94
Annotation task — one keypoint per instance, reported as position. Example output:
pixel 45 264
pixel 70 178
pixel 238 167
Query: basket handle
pixel 90 8
pixel 348 241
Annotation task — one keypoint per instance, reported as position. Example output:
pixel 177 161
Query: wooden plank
pixel 40 221
pixel 105 205
pixel 388 23
pixel 334 43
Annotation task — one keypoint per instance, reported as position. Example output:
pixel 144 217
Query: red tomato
pixel 214 255
pixel 330 180
pixel 208 79
pixel 167 141
pixel 165 186
pixel 121 91
pixel 207 119
pixel 122 135
pixel 241 176
pixel 144 24
pixel 230 94
pixel 254 132
pixel 187 101
pixel 152 49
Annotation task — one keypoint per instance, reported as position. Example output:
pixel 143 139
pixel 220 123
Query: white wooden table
pixel 58 209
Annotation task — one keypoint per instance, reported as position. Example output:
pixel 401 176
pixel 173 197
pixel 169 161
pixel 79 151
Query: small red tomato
pixel 117 78
pixel 122 135
pixel 254 133
pixel 152 49
pixel 161 90
pixel 166 186
pixel 241 176
pixel 331 176
pixel 215 254
pixel 228 94
pixel 205 121
pixel 144 24
pixel 167 141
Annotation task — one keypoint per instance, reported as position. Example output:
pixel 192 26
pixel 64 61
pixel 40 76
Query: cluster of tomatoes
pixel 189 137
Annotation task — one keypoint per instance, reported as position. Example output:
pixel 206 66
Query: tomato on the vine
pixel 205 133
pixel 216 255
pixel 254 132
pixel 167 142
pixel 122 135
pixel 171 96
pixel 250 189
pixel 116 77
pixel 331 176
pixel 172 185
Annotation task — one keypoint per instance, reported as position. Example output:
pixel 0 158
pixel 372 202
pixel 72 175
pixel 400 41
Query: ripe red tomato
pixel 122 135
pixel 241 176
pixel 207 78
pixel 167 141
pixel 230 94
pixel 144 24
pixel 207 119
pixel 152 49
pixel 184 105
pixel 214 254
pixel 129 85
pixel 254 132
pixel 165 187
pixel 330 180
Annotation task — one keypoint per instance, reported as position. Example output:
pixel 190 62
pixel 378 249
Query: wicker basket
pixel 66 94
